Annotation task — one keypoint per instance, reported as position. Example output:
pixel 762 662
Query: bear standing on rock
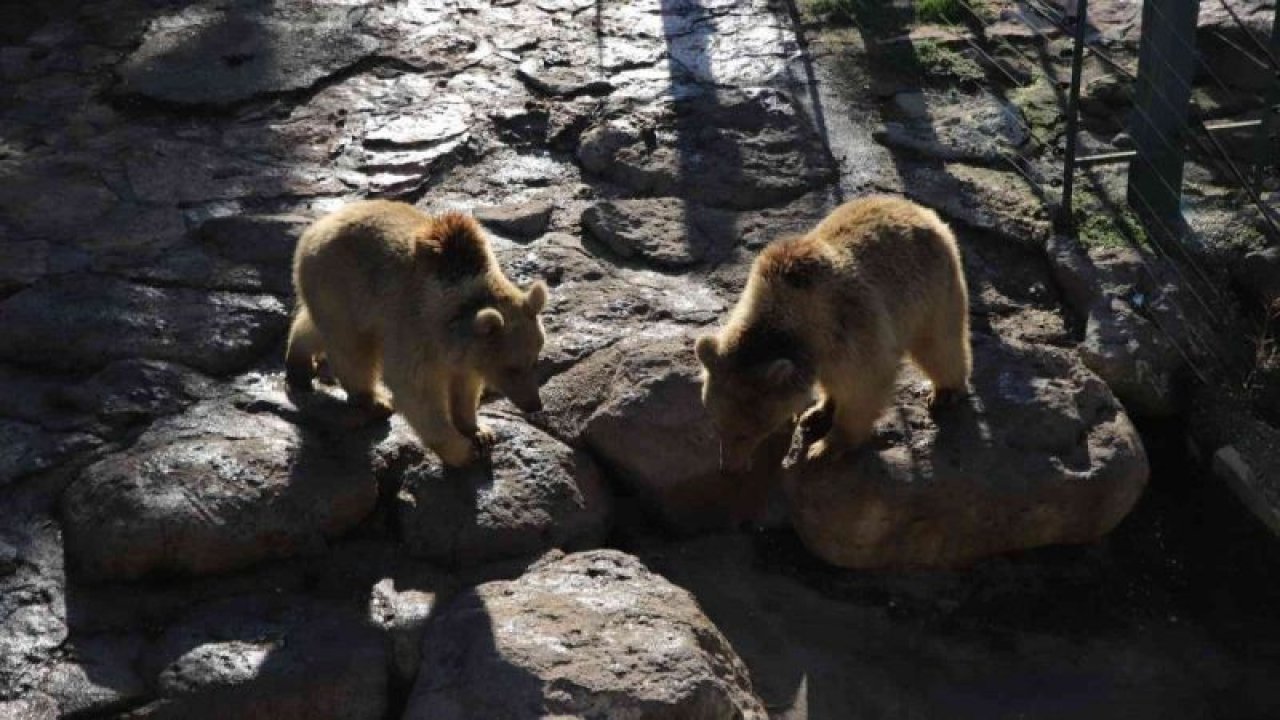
pixel 838 307
pixel 387 291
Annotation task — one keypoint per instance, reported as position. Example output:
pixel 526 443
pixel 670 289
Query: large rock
pixel 666 233
pixel 1242 449
pixel 526 220
pixel 277 657
pixel 995 201
pixel 33 602
pixel 589 635
pixel 740 149
pixel 1143 325
pixel 218 57
pixel 637 405
pixel 955 127
pixel 214 489
pixel 533 494
pixel 594 304
pixel 80 322
pixel 1040 454
pixel 27 448
pixel 98 675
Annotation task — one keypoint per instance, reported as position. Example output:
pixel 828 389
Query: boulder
pixel 256 239
pixel 594 304
pixel 401 611
pixel 979 128
pixel 202 56
pixel 214 489
pixel 1242 450
pixel 86 321
pixel 594 634
pixel 1041 453
pixel 532 494
pixel 644 419
pixel 97 676
pixel 33 604
pixel 737 149
pixel 665 233
pixel 281 657
pixel 524 221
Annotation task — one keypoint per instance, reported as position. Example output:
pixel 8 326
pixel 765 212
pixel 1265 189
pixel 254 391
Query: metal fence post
pixel 1078 12
pixel 1269 129
pixel 1166 67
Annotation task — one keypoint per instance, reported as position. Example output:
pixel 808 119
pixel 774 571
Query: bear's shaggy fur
pixel 386 291
pixel 838 308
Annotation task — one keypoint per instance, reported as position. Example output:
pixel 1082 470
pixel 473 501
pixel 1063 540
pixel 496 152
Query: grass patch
pixel 883 13
pixel 937 61
pixel 941 12
pixel 1100 227
pixel 1039 105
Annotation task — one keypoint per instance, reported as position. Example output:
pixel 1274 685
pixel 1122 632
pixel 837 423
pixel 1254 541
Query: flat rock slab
pixel 737 149
pixel 219 57
pixel 526 220
pixel 594 634
pixel 1040 454
pixel 282 657
pixel 646 421
pixel 213 489
pixel 80 322
pixel 534 493
pixel 954 127
pixel 665 233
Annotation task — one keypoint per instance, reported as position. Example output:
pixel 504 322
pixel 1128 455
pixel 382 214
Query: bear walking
pixel 386 291
pixel 838 308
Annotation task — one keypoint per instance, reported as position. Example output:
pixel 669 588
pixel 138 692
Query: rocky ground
pixel 181 538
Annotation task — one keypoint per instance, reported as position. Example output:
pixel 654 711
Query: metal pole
pixel 1166 67
pixel 1269 131
pixel 1081 17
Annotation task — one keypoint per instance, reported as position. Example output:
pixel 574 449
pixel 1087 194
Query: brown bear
pixel 387 291
pixel 838 308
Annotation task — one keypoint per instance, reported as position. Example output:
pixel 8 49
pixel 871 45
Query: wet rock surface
pixel 650 428
pixel 1041 453
pixel 589 633
pixel 531 495
pixel 282 656
pixel 231 551
pixel 86 322
pixel 214 489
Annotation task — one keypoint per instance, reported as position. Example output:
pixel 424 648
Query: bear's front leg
pixel 427 412
pixel 464 404
pixel 854 419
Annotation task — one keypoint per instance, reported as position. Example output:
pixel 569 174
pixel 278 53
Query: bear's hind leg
pixel 942 352
pixel 300 357
pixel 357 363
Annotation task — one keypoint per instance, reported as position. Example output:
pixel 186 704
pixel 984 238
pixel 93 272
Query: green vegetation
pixel 1039 105
pixel 938 62
pixel 879 13
pixel 942 12
pixel 1100 227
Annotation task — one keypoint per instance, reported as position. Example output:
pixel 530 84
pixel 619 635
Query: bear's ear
pixel 536 298
pixel 488 322
pixel 780 372
pixel 707 348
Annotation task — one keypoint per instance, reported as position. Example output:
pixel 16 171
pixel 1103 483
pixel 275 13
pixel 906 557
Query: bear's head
pixel 749 398
pixel 508 339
